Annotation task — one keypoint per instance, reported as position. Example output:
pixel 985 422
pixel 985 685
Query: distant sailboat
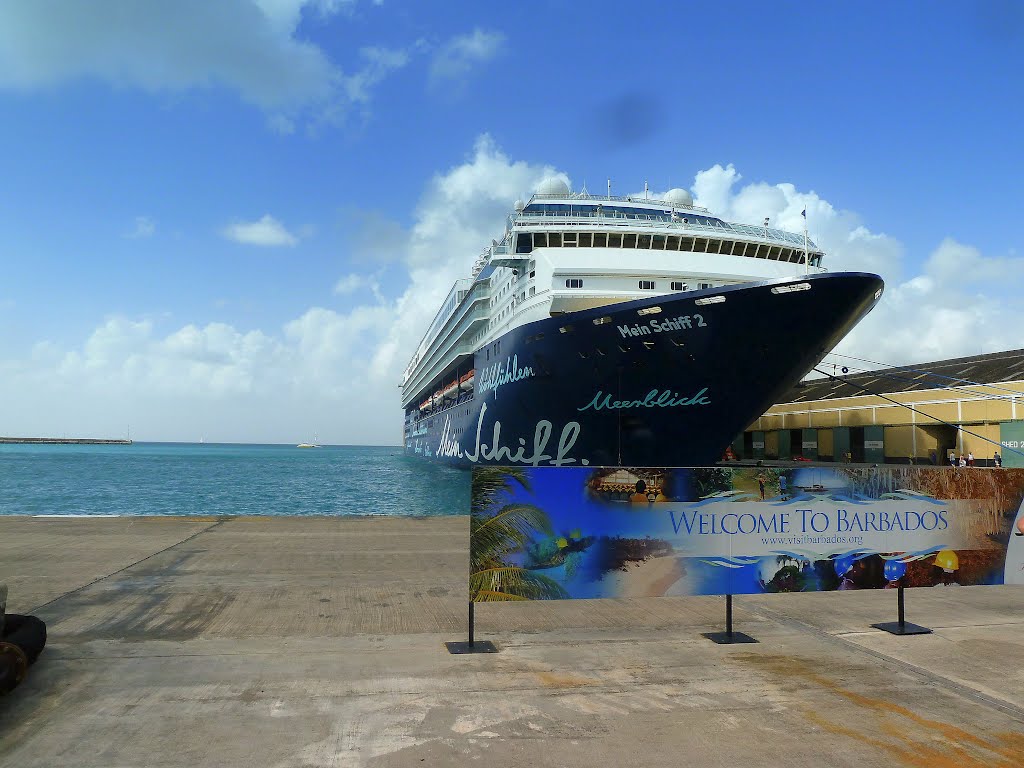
pixel 308 445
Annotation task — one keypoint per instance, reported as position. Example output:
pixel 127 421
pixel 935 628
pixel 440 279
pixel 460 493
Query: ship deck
pixel 319 642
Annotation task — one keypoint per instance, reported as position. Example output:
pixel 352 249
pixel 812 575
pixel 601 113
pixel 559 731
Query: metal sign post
pixel 900 626
pixel 728 637
pixel 472 646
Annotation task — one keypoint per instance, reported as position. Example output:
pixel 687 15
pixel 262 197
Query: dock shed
pixel 905 414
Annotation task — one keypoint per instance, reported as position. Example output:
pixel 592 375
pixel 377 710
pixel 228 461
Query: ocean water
pixel 205 479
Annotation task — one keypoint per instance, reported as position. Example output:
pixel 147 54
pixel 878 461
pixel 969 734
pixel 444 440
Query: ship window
pixel 602 320
pixel 555 240
pixel 523 244
pixel 678 285
pixel 566 329
pixel 600 239
pixel 586 240
pixel 540 239
pixel 705 285
pixel 737 248
pixel 574 282
pixel 533 290
pixel 615 240
pixel 726 246
pixel 533 273
pixel 643 241
pixel 700 245
pixel 775 252
pixel 649 311
pixel 569 240
pixel 646 285
pixel 686 244
pixel 629 241
pixel 658 242
pixel 672 243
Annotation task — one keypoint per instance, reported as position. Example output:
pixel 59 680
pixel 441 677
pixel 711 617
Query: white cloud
pixel 378 64
pixel 266 231
pixel 351 283
pixel 456 59
pixel 251 47
pixel 144 227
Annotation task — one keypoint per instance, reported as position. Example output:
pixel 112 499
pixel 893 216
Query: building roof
pixel 993 368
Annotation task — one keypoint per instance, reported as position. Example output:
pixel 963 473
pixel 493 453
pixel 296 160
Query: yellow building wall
pixel 771 444
pixel 986 410
pixel 926 442
pixel 898 442
pixel 862 417
pixel 826 442
pixel 824 419
pixel 980 448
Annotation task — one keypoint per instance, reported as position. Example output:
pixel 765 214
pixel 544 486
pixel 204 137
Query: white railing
pixel 617 199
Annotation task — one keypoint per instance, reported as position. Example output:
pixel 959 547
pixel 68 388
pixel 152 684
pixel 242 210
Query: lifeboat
pixel 466 382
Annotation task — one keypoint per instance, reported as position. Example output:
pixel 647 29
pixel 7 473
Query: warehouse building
pixel 917 413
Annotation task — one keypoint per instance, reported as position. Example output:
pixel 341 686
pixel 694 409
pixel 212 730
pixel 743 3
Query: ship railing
pixel 620 199
pixel 623 221
pixel 430 413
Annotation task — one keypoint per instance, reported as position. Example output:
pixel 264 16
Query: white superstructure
pixel 564 252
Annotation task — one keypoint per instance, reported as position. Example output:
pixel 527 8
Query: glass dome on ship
pixel 602 330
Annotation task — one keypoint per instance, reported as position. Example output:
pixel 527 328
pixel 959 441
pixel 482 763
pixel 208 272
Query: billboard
pixel 584 532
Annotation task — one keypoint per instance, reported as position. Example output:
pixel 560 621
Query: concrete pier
pixel 62 441
pixel 299 642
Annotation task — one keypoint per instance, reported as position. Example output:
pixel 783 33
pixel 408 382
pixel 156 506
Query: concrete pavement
pixel 298 642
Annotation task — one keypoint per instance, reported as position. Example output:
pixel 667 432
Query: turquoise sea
pixel 205 479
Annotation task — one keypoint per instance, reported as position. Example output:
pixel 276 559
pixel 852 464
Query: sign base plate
pixel 479 646
pixel 906 628
pixel 724 638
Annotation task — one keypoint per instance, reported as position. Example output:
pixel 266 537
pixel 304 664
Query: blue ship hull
pixel 631 385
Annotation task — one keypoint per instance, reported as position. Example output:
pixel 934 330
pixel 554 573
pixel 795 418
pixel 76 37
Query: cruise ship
pixel 621 331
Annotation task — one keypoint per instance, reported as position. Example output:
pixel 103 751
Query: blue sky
pixel 233 220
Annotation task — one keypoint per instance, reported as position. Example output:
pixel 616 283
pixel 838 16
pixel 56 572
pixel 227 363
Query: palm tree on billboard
pixel 497 532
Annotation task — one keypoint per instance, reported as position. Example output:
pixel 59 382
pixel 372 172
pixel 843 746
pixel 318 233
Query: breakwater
pixel 63 441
